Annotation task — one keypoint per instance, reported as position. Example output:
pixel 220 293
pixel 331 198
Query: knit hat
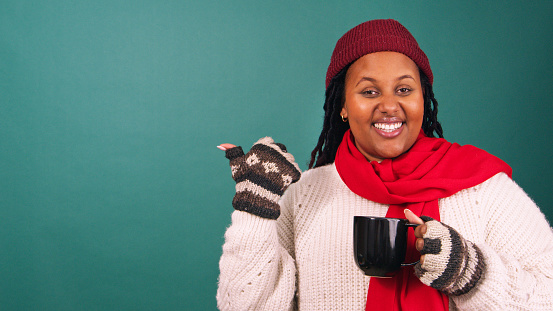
pixel 376 36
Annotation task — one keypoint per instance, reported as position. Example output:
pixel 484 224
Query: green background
pixel 112 193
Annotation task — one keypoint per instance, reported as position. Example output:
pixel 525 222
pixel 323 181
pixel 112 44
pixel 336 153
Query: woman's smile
pixel 388 128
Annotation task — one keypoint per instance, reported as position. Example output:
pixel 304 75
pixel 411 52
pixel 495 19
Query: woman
pixel 485 246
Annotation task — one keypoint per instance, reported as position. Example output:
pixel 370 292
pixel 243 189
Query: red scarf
pixel 432 169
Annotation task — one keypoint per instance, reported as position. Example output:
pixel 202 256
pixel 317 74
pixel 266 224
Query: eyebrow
pixel 374 80
pixel 405 77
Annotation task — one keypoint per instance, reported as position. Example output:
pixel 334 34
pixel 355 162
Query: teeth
pixel 388 127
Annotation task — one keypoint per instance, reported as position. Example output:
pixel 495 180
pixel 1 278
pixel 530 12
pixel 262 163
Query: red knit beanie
pixel 376 36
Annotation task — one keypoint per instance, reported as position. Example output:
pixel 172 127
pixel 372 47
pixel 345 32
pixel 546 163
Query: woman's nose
pixel 388 104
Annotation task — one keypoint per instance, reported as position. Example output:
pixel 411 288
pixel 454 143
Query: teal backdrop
pixel 113 195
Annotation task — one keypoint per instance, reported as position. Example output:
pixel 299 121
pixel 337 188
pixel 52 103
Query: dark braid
pixel 430 122
pixel 334 128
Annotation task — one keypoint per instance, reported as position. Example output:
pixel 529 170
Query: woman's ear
pixel 344 112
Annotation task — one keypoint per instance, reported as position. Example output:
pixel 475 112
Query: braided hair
pixel 334 128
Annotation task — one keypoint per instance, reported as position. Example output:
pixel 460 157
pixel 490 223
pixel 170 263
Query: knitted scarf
pixel 432 169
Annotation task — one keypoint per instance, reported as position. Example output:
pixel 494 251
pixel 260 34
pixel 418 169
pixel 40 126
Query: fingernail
pixel 222 148
pixel 406 210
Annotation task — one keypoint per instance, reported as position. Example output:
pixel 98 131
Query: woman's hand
pixel 449 263
pixel 262 175
pixel 419 231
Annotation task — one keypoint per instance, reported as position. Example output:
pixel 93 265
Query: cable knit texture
pixel 304 259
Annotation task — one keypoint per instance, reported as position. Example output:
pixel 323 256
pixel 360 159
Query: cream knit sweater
pixel 304 259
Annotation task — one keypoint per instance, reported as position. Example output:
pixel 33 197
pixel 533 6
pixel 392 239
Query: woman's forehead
pixel 389 64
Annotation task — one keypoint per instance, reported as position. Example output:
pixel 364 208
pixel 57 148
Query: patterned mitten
pixel 452 264
pixel 261 177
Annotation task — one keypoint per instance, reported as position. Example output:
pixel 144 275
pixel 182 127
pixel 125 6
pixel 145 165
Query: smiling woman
pixel 377 156
pixel 384 104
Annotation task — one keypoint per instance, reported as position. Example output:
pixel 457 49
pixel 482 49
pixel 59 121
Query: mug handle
pixel 416 262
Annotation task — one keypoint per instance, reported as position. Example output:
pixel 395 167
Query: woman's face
pixel 384 104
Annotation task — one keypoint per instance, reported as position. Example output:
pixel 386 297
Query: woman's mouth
pixel 388 127
pixel 388 130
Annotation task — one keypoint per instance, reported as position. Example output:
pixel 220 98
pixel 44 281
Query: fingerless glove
pixel 451 263
pixel 262 175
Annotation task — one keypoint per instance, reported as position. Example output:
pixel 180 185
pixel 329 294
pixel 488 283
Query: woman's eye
pixel 404 90
pixel 369 92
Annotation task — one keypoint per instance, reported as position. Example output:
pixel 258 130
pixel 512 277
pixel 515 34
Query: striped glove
pixel 261 177
pixel 452 264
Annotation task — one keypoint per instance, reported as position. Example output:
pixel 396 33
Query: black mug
pixel 380 244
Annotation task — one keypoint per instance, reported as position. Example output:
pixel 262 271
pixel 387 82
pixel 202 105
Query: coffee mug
pixel 380 244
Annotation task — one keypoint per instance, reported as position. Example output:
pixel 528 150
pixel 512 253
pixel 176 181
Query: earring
pixel 344 119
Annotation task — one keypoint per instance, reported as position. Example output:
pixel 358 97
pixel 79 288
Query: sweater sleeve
pixel 257 270
pixel 517 243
